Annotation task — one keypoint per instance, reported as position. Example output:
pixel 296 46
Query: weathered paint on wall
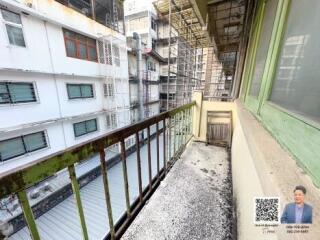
pixel 301 139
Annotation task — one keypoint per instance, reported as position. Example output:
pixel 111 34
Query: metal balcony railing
pixel 175 130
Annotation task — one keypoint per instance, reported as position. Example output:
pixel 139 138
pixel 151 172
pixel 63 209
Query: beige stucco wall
pixel 200 120
pixel 246 186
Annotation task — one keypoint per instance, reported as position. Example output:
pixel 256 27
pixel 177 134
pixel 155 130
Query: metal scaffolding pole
pixel 169 55
pixel 185 23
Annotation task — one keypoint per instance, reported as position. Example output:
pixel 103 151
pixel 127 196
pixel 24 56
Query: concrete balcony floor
pixel 194 201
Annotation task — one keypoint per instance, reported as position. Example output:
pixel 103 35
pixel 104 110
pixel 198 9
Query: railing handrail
pixel 27 175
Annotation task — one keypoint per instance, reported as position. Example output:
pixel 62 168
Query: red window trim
pixel 77 43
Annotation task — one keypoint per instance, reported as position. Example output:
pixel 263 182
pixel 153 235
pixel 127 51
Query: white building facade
pixel 141 18
pixel 61 77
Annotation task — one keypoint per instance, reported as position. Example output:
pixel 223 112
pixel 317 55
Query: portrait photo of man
pixel 297 212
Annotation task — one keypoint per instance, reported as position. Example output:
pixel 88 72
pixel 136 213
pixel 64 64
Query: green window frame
pixel 85 127
pixel 18 146
pixel 79 91
pixel 300 136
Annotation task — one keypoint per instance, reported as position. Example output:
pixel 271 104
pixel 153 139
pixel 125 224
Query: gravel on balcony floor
pixel 193 202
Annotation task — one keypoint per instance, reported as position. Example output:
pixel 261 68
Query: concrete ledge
pixel 261 167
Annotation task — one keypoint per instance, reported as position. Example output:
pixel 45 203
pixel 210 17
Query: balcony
pixel 172 184
pixel 108 13
pixel 99 208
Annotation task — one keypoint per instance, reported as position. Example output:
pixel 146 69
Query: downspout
pixel 55 82
pixel 137 37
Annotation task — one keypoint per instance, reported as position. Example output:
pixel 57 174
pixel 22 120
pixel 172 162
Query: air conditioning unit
pixel 6 229
pixel 46 187
pixel 35 193
pixel 14 206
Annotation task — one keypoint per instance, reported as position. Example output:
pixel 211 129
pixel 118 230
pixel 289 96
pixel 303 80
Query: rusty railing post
pixel 158 160
pixel 104 174
pixel 175 138
pixel 125 176
pixel 180 138
pixel 190 121
pixel 28 215
pixel 76 193
pixel 164 147
pixel 149 158
pixel 185 126
pixel 139 166
pixel 169 139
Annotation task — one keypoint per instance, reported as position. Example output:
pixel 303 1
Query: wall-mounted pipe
pixel 137 37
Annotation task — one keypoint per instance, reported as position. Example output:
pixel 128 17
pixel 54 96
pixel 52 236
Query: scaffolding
pixel 188 40
pixel 110 49
pixel 227 21
pixel 219 75
pixel 186 36
pixel 149 78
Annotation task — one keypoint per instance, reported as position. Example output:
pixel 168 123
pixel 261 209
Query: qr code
pixel 266 210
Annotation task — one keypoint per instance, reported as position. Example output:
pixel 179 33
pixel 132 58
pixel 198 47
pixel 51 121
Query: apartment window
pixel 151 66
pixel 153 24
pixel 296 85
pixel 105 55
pixel 82 6
pixel 111 119
pixel 129 142
pixel 18 146
pixel 79 46
pixel 13 26
pixel 153 44
pixel 76 91
pixel 101 52
pixel 17 92
pixel 270 12
pixel 116 55
pixel 85 127
pixel 108 89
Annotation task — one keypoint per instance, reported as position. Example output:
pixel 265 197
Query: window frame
pixel 85 122
pixel 154 25
pixel 26 152
pixel 105 52
pixel 112 117
pixel 256 105
pixel 67 4
pixel 17 25
pixel 77 43
pixel 108 89
pixel 276 119
pixel 308 120
pixel 35 94
pixel 80 84
pixel 116 57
